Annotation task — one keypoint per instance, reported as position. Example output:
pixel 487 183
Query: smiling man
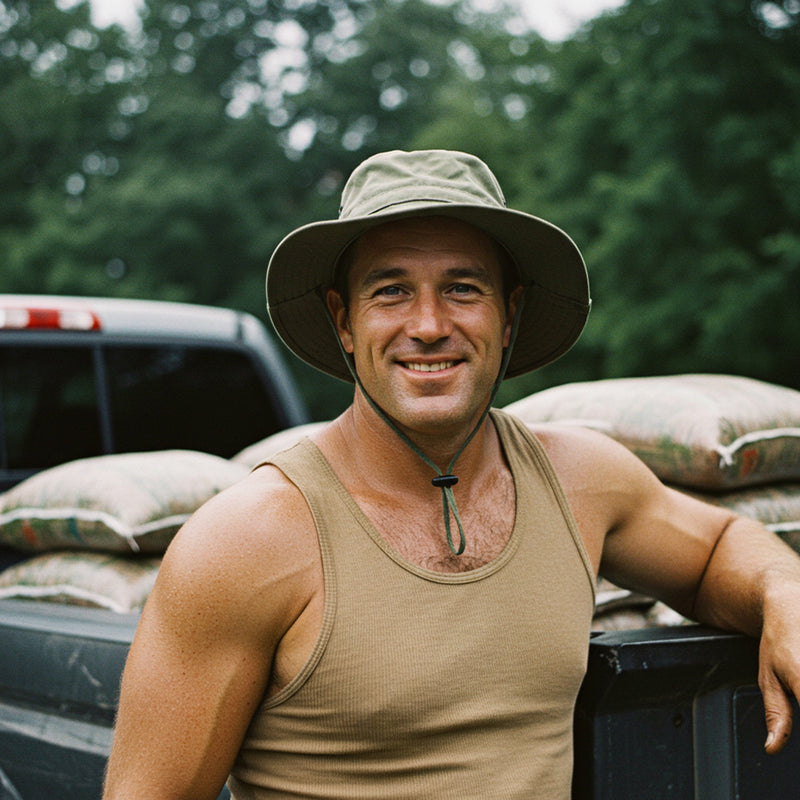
pixel 426 298
pixel 401 607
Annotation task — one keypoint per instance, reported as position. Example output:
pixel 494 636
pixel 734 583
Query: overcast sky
pixel 554 19
pixel 557 19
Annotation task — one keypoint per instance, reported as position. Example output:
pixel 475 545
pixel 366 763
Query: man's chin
pixel 437 419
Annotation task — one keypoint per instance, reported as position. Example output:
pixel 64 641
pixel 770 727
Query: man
pixel 401 608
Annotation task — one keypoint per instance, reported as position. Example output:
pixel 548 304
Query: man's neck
pixel 369 446
pixel 392 486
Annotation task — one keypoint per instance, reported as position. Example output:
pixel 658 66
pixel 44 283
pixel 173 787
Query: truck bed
pixel 663 713
pixel 677 713
pixel 59 688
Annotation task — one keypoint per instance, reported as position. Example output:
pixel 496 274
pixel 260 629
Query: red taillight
pixel 65 319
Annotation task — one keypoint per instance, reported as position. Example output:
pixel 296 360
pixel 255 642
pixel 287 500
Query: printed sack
pixel 703 431
pixel 86 579
pixel 777 507
pixel 132 502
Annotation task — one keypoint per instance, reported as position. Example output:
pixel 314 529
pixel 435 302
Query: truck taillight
pixel 65 319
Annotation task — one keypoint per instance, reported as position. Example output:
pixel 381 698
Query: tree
pixel 671 157
pixel 175 161
pixel 126 173
pixel 662 137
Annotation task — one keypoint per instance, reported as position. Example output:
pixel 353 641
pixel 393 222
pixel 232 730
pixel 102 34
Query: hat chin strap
pixel 443 481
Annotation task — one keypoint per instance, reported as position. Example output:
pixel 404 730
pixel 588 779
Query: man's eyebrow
pixel 475 273
pixel 381 274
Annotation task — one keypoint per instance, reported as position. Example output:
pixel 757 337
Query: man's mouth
pixel 436 367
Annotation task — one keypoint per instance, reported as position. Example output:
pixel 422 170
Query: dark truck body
pixel 663 713
pixel 59 685
pixel 677 713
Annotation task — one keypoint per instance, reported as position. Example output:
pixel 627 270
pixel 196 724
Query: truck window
pixel 48 399
pixel 197 398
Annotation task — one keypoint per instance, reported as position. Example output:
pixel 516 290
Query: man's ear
pixel 341 318
pixel 513 302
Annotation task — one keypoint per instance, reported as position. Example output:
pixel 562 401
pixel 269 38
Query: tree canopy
pixel 663 137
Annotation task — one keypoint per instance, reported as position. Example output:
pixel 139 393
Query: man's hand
pixel 779 659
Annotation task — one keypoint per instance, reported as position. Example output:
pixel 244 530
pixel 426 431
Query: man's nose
pixel 429 320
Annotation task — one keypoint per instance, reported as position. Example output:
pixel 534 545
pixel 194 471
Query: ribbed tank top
pixel 431 685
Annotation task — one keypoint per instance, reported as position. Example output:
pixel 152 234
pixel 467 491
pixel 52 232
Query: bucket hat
pixel 399 184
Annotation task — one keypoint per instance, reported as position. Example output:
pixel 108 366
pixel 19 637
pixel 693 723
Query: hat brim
pixel 551 269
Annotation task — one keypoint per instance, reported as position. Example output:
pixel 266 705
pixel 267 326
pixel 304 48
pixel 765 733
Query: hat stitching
pixel 438 201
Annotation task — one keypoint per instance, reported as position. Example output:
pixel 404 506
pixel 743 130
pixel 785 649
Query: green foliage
pixel 170 161
pixel 671 158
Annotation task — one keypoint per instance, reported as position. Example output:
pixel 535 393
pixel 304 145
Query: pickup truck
pixel 664 712
pixel 84 377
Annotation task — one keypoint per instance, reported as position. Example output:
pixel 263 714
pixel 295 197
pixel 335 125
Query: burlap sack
pixel 261 451
pixel 704 431
pixel 133 502
pixel 611 598
pixel 777 507
pixel 619 609
pixel 87 579
pixel 621 619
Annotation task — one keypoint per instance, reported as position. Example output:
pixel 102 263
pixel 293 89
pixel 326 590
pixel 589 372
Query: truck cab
pixel 83 377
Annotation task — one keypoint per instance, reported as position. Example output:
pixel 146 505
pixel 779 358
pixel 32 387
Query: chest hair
pixel 416 529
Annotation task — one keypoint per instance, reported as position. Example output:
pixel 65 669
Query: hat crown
pixel 389 181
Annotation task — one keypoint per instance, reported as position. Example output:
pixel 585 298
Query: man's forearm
pixel 752 585
pixel 750 571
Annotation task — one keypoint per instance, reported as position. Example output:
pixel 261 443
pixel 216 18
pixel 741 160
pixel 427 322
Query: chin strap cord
pixel 443 481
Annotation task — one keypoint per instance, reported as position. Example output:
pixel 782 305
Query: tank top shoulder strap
pixel 523 449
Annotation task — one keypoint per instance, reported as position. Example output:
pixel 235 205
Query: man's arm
pixel 704 561
pixel 752 584
pixel 229 589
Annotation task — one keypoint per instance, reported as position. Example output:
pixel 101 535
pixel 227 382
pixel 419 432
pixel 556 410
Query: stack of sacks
pixel 99 526
pixel 731 441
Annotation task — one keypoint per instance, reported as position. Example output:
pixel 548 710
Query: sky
pixel 557 19
pixel 553 19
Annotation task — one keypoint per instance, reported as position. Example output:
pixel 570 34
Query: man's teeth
pixel 430 367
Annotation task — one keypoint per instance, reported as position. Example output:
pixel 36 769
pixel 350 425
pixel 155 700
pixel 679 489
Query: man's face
pixel 426 322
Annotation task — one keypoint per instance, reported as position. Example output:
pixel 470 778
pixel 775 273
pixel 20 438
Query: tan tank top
pixel 431 685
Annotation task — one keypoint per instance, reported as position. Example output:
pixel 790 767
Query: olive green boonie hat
pixel 398 184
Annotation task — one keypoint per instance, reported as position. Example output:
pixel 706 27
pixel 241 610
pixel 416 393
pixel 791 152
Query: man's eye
pixel 389 291
pixel 463 288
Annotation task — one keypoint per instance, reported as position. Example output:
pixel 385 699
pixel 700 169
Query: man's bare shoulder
pixel 574 444
pixel 260 511
pixel 240 575
pixel 591 463
pixel 254 543
pixel 603 481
